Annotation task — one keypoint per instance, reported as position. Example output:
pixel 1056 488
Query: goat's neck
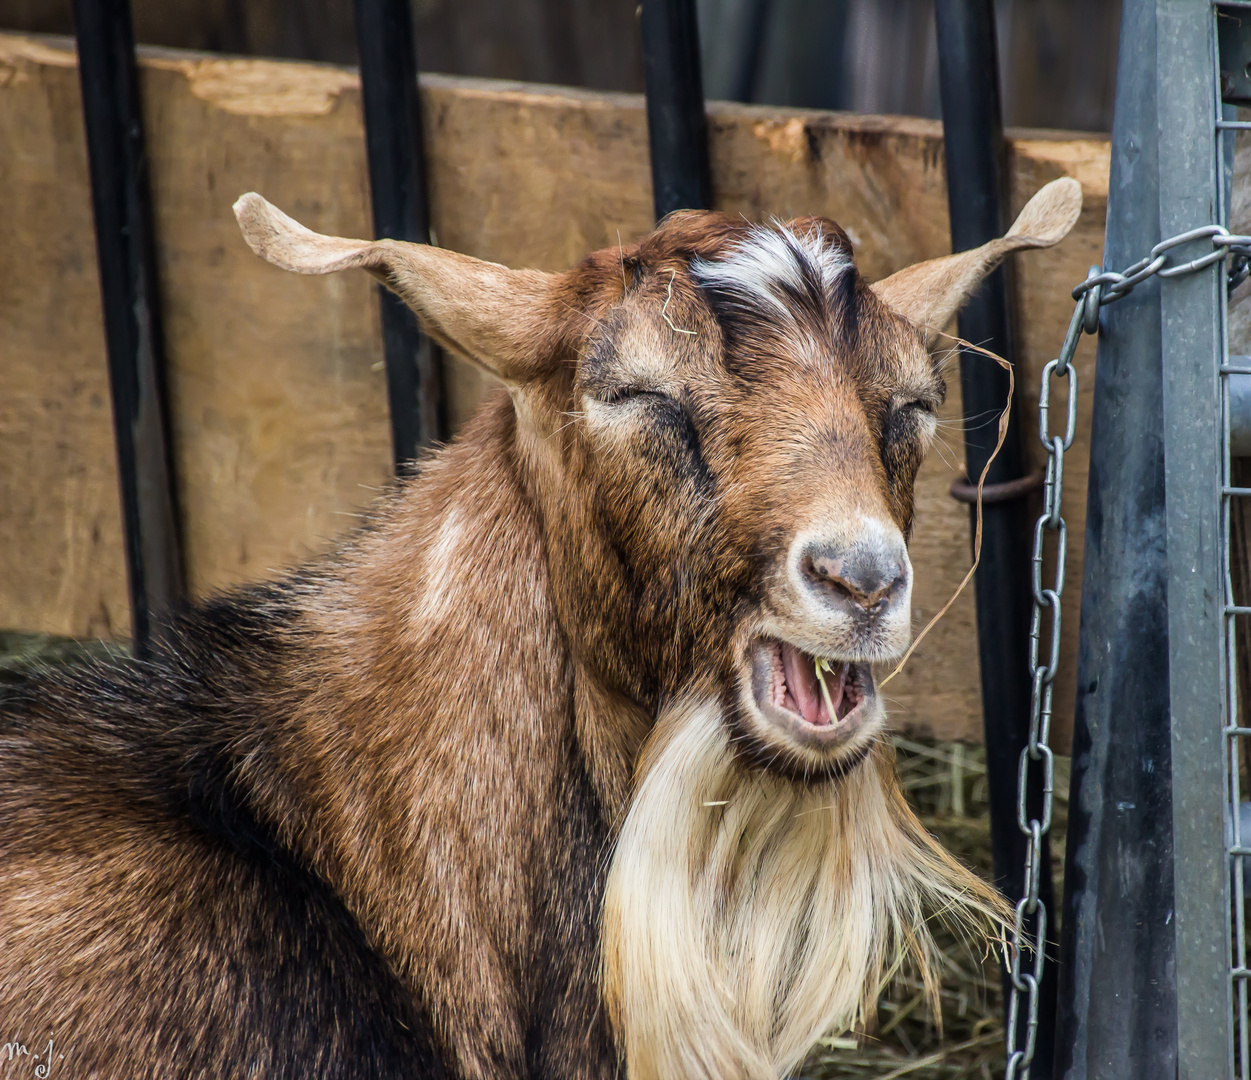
pixel 436 732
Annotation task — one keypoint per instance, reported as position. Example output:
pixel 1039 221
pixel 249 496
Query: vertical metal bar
pixel 1190 319
pixel 1230 74
pixel 397 180
pixel 1117 1006
pixel 677 128
pixel 128 292
pixel 977 200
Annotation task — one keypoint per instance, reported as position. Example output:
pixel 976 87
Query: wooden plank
pixel 61 564
pixel 277 394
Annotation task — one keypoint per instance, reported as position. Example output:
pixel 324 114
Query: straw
pixel 981 480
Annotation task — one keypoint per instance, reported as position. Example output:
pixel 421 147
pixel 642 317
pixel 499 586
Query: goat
pixel 570 763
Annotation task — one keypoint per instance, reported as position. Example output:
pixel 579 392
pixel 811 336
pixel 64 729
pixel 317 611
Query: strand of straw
pixel 664 311
pixel 981 480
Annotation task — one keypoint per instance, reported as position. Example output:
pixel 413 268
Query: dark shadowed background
pixel 1057 57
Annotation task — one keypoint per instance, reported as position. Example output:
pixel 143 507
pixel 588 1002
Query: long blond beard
pixel 746 915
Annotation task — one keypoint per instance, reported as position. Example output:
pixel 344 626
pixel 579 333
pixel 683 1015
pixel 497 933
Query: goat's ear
pixel 497 317
pixel 929 293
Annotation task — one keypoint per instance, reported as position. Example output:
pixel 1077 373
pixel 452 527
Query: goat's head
pixel 721 425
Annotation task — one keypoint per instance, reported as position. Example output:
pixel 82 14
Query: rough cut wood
pixel 277 392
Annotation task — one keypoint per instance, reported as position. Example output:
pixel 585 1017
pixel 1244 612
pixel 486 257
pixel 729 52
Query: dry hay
pixel 946 784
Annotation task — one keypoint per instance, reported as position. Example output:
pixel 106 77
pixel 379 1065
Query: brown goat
pixel 569 764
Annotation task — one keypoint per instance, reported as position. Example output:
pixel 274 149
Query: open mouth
pixel 810 691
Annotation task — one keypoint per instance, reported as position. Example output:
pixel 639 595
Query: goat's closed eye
pixel 618 395
pixel 912 416
pixel 910 420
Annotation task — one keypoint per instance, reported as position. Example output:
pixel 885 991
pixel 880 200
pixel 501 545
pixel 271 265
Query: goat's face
pixel 721 427
pixel 741 435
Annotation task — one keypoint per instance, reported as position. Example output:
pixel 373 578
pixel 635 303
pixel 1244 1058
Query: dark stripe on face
pixel 742 323
pixel 808 298
pixel 749 324
pixel 848 303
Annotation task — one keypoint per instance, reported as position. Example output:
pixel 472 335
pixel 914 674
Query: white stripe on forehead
pixel 768 262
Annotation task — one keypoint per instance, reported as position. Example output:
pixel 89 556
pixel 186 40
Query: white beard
pixel 747 915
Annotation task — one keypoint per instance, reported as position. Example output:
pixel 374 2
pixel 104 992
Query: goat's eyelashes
pixel 914 415
pixel 619 395
pixel 915 418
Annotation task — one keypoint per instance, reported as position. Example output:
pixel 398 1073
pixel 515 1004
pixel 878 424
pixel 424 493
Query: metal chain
pixel 1100 287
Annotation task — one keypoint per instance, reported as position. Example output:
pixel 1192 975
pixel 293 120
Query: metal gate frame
pixel 1147 984
pixel 130 296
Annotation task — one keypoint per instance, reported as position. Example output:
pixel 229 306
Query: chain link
pixel 1100 287
pixel 1110 286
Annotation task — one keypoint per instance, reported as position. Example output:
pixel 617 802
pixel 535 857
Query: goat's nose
pixel 869 576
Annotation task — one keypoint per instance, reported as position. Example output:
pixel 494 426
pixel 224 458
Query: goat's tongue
pixel 801 679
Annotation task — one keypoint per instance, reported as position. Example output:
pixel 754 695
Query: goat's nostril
pixel 885 595
pixel 828 572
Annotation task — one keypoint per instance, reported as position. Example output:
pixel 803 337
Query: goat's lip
pixel 818 699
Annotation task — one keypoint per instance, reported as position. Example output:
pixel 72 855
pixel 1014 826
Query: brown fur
pixel 359 822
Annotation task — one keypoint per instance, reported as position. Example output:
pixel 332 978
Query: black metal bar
pixel 397 181
pixel 677 128
pixel 1117 1005
pixel 128 293
pixel 977 200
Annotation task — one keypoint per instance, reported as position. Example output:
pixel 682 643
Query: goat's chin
pixel 747 914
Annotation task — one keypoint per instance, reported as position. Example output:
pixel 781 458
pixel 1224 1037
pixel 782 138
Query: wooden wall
pixel 278 403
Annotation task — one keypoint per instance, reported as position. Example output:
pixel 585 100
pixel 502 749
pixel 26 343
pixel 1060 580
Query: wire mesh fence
pixel 1233 154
